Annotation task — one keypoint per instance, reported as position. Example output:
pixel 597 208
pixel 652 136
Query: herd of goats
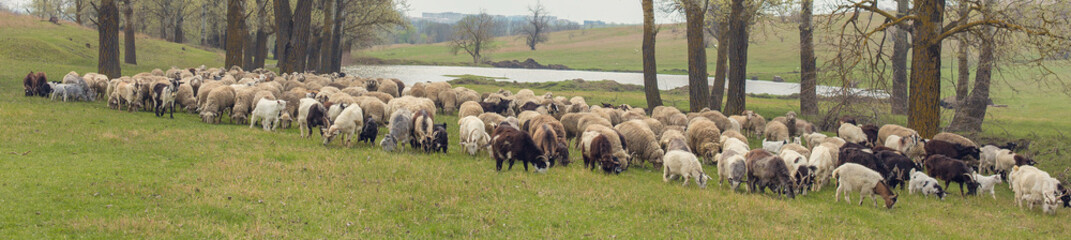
pixel 540 129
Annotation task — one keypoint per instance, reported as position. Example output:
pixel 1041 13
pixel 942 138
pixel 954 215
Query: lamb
pixel 641 141
pixel 854 177
pixel 1035 186
pixel 822 159
pixel 346 125
pixel 469 109
pixel 400 130
pixel 311 114
pixel 733 167
pixel 685 165
pixel 439 139
pixel 598 151
pixel 765 170
pixel 270 113
pixel 617 143
pixel 987 183
pixel 704 138
pixel 951 170
pixel 472 135
pixel 219 100
pixel 910 145
pixel 776 131
pixel 893 129
pixel 163 96
pixel 369 131
pixel 509 143
pixel 851 133
pixel 924 184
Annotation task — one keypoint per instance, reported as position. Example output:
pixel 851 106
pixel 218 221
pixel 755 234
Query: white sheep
pixel 733 144
pixel 684 164
pixel 270 113
pixel 472 135
pixel 814 139
pixel 773 146
pixel 347 123
pixel 733 167
pixel 793 160
pixel 822 159
pixel 853 177
pixel 1034 186
pixel 922 183
pixel 851 133
pixel 986 183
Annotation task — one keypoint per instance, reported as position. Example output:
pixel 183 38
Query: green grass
pixel 92 172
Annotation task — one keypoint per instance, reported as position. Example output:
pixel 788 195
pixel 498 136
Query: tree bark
pixel 78 6
pixel 282 33
pixel 297 49
pixel 261 48
pixel 924 115
pixel 717 91
pixel 336 37
pixel 650 68
pixel 961 57
pixel 736 102
pixel 313 62
pixel 130 53
pixel 325 46
pixel 971 112
pixel 179 35
pixel 249 51
pixel 808 70
pixel 235 37
pixel 108 36
pixel 204 23
pixel 698 95
pixel 899 62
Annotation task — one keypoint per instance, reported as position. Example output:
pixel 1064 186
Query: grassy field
pixel 81 170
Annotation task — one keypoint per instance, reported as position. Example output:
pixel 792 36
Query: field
pixel 81 170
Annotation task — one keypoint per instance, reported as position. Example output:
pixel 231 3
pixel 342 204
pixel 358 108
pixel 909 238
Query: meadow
pixel 82 170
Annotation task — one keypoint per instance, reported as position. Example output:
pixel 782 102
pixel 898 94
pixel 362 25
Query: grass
pixel 81 170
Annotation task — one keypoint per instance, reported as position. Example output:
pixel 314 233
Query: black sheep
pixel 511 144
pixel 369 131
pixel 439 139
pixel 935 147
pixel 951 170
pixel 765 170
pixel 899 168
pixel 29 84
pixel 858 156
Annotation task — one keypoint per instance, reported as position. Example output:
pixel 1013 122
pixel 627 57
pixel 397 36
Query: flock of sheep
pixel 540 130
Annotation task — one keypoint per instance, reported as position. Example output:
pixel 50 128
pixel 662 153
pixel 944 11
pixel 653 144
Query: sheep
pixel 388 86
pixel 219 100
pixel 986 183
pixel 732 167
pixel 756 124
pixel 954 138
pixel 952 150
pixel 1034 186
pixel 822 159
pixel 69 91
pixel 655 126
pixel 589 120
pixel 41 83
pixel 546 138
pixel 184 97
pixel 346 125
pixel 29 84
pixel 1004 160
pixel 270 113
pixel 617 143
pixel 792 160
pixel 685 165
pixel 509 143
pixel 704 138
pixel 899 167
pixel 469 109
pixel 718 118
pixel 674 140
pixel 399 130
pixel 381 96
pixel 735 134
pixel 571 123
pixel 243 103
pixel 773 146
pixel 311 114
pixel 733 144
pixel 527 115
pixel 907 145
pixel 951 170
pixel 472 135
pixel 128 93
pixel 369 131
pixel 491 120
pixel 765 170
pixel 851 133
pixel 465 95
pixel 413 104
pixel 447 100
pixel 893 129
pixel 797 148
pixel 598 151
pixel 417 90
pixel 432 90
pixel 924 184
pixel 373 108
pixel 775 131
pixel 641 141
pixel 814 139
pixel 204 90
pixel 854 177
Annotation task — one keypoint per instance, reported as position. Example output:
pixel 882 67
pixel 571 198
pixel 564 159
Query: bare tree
pixel 808 70
pixel 130 53
pixel 299 38
pixel 698 93
pixel 261 48
pixel 650 68
pixel 717 26
pixel 283 25
pixel 736 102
pixel 473 35
pixel 537 28
pixel 899 61
pixel 108 34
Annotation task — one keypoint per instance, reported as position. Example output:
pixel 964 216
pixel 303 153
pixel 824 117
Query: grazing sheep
pixel 733 144
pixel 655 126
pixel 417 90
pixel 447 100
pixel 381 96
pixel 617 143
pixel 311 114
pixel 954 138
pixel 924 184
pixel 423 127
pixel 765 170
pixel 674 140
pixel 1034 186
pixel 857 178
pixel 546 138
pixel 733 167
pixel 373 108
pixel 401 125
pixel 431 90
pixel 704 138
pixel 851 133
pixel 469 109
pixel 509 143
pixel 472 135
pixel 986 183
pixel 270 113
pixel 346 125
pixel 413 104
pixel 1005 160
pixel 775 131
pixel 773 146
pixel 952 150
pixel 597 150
pixel 718 118
pixel 491 120
pixel 243 103
pixel 822 159
pixel 369 131
pixel 756 124
pixel 893 129
pixel 814 139
pixel 908 145
pixel 527 115
pixel 465 95
pixel 951 170
pixel 388 86
pixel 641 141
pixel 792 160
pixel 221 99
pixel 184 97
pixel 685 165
pixel 797 148
pixel 735 134
pixel 588 120
pixel 29 84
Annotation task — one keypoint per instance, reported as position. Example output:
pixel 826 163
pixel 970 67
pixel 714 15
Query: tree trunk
pixel 78 6
pixel 204 23
pixel 296 51
pixel 698 95
pixel 971 112
pixel 261 48
pixel 650 68
pixel 235 37
pixel 325 41
pixel 249 51
pixel 130 53
pixel 899 63
pixel 336 37
pixel 736 102
pixel 313 62
pixel 717 91
pixel 808 70
pixel 179 35
pixel 964 70
pixel 108 35
pixel 282 33
pixel 924 115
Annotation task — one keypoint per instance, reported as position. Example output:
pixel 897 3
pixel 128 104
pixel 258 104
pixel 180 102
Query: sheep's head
pixel 471 147
pixel 329 134
pixel 208 117
pixel 388 143
pixel 702 180
pixel 541 163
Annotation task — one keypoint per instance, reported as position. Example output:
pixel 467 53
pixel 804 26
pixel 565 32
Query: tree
pixel 536 29
pixel 325 41
pixel 235 35
pixel 299 38
pixel 717 26
pixel 283 24
pixel 473 35
pixel 261 48
pixel 650 68
pixel 899 61
pixel 964 70
pixel 108 35
pixel 736 102
pixel 698 95
pixel 808 70
pixel 130 53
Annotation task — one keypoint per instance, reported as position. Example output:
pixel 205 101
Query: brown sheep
pixel 617 143
pixel 589 120
pixel 704 138
pixel 600 152
pixel 219 100
pixel 955 138
pixel 893 129
pixel 447 101
pixel 417 90
pixel 775 131
pixel 469 109
pixel 432 90
pixel 755 125
pixel 655 126
pixel 718 118
pixel 373 108
pixel 571 121
pixel 765 170
pixel 527 115
pixel 243 104
pixel 674 140
pixel 388 86
pixel 491 120
pixel 641 141
pixel 546 138
pixel 382 96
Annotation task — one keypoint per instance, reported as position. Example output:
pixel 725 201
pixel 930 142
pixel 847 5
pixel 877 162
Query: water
pixel 418 73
